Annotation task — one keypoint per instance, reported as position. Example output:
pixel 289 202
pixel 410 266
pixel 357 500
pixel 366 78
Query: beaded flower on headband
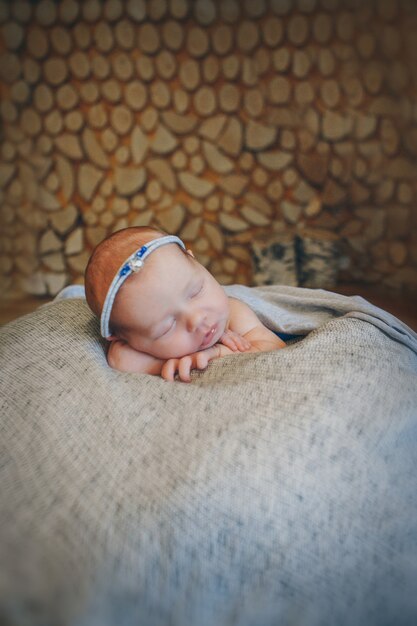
pixel 132 265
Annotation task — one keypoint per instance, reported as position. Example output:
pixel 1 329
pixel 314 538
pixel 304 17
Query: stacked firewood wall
pixel 225 122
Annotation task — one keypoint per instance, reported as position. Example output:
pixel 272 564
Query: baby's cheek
pixel 166 349
pixel 184 345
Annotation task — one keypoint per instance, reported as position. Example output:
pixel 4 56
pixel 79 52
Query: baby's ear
pixel 190 252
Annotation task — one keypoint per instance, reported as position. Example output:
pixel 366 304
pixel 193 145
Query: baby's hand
pixel 234 341
pixel 199 360
pixel 184 365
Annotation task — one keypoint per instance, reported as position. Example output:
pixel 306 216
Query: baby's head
pixel 170 307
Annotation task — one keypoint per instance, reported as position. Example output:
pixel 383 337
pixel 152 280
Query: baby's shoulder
pixel 242 318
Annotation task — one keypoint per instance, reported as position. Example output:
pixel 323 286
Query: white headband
pixel 132 265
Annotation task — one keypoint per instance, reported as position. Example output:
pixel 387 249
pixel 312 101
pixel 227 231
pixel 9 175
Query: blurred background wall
pixel 224 122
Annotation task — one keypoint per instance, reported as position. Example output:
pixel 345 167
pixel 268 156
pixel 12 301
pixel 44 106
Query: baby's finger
pixel 243 343
pixel 240 342
pixel 185 369
pixel 228 340
pixel 201 361
pixel 168 370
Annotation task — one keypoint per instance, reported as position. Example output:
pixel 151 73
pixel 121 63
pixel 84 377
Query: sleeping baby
pixel 162 311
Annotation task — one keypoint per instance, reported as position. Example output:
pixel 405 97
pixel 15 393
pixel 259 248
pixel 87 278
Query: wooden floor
pixel 403 307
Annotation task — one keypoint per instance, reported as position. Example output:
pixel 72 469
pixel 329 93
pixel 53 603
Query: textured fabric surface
pixel 275 489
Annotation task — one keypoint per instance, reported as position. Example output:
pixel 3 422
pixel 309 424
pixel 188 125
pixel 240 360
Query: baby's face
pixel 172 307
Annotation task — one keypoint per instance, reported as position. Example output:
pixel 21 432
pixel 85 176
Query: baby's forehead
pixel 168 269
pixel 167 258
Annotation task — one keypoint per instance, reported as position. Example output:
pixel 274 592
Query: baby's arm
pixel 246 323
pixel 120 356
pixel 246 333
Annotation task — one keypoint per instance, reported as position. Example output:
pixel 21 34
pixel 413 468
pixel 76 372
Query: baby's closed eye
pixel 197 290
pixel 167 330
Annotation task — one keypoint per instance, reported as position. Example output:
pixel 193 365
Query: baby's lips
pixel 208 336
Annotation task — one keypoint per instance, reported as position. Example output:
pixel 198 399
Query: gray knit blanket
pixel 276 489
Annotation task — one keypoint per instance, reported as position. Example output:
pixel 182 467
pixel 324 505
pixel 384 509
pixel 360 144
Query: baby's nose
pixel 195 320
